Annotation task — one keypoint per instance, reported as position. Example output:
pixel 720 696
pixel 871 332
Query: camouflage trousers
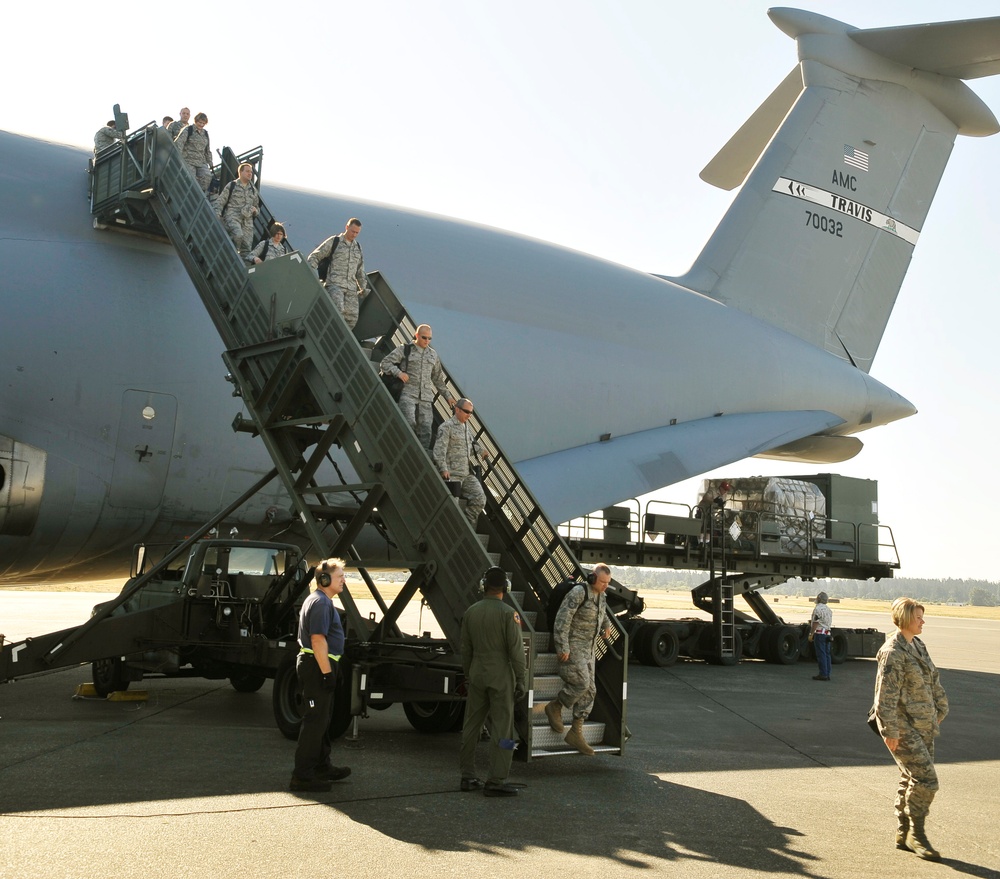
pixel 347 302
pixel 203 174
pixel 471 491
pixel 579 689
pixel 918 782
pixel 419 415
pixel 240 230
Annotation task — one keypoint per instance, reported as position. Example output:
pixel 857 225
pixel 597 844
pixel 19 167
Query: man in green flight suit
pixel 493 662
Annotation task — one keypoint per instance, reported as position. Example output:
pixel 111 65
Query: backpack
pixel 393 383
pixel 323 267
pixel 559 593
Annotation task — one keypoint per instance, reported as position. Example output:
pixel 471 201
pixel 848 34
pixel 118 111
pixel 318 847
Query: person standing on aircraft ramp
pixel 340 265
pixel 493 663
pixel 321 644
pixel 237 205
pixel 910 704
pixel 581 619
pixel 418 366
pixel 455 453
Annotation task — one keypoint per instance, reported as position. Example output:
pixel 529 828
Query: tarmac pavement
pixel 750 771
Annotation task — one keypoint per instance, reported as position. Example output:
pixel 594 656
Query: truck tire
pixel 109 676
pixel 433 717
pixel 707 647
pixel 247 681
pixel 782 646
pixel 286 700
pixel 661 646
pixel 838 648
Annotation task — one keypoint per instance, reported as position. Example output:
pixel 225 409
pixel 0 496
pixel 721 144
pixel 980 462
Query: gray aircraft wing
pixel 569 481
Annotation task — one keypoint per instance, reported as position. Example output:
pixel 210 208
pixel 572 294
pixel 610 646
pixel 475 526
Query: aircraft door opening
pixel 22 479
pixel 142 456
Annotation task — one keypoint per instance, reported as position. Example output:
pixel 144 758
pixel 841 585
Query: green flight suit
pixel 493 662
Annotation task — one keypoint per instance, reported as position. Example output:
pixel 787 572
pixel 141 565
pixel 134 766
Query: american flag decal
pixel 855 158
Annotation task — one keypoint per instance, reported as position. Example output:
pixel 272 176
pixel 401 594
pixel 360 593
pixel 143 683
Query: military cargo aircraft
pixel 115 421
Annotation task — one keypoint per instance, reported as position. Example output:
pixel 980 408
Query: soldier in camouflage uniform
pixel 422 379
pixel 582 618
pixel 196 150
pixel 910 704
pixel 106 136
pixel 455 450
pixel 494 667
pixel 237 205
pixel 270 248
pixel 177 126
pixel 346 281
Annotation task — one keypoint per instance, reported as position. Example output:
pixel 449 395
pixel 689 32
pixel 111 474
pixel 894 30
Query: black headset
pixel 506 581
pixel 323 578
pixel 591 578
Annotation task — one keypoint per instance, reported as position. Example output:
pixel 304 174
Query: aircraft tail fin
pixel 846 155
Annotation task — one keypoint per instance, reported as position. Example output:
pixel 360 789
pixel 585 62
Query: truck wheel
pixel 709 651
pixel 432 717
pixel 109 676
pixel 247 681
pixel 784 645
pixel 662 646
pixel 286 700
pixel 838 649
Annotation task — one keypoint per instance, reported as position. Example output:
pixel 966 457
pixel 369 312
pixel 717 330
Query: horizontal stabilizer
pixel 962 49
pixel 578 481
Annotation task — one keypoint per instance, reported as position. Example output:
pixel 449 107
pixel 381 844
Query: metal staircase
pixel 313 395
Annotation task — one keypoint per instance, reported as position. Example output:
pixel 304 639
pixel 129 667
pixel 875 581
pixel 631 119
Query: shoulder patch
pixel 517 618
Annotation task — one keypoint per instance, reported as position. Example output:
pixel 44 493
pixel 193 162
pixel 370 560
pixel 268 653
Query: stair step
pixel 545 687
pixel 546 664
pixel 544 738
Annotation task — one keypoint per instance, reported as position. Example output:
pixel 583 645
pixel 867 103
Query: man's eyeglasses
pixel 428 338
pixel 466 411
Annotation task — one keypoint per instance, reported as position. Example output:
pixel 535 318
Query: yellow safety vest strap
pixel 313 652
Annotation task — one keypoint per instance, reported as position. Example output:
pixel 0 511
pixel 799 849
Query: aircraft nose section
pixel 885 405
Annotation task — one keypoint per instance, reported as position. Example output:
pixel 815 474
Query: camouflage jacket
pixel 908 691
pixel 454 448
pixel 237 198
pixel 194 145
pixel 423 366
pixel 582 617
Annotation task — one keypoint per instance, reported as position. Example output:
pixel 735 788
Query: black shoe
pixel 333 773
pixel 492 789
pixel 310 784
pixel 820 678
pixel 471 784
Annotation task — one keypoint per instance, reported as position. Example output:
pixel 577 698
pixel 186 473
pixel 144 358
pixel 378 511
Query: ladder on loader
pixel 309 386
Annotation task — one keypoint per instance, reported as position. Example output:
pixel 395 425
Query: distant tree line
pixel 980 593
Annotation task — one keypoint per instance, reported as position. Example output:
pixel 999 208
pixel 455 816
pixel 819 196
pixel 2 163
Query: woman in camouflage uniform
pixel 910 704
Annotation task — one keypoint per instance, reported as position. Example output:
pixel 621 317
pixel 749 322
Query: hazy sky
pixel 584 123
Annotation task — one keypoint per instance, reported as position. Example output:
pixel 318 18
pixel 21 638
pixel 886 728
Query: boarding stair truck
pixel 313 395
pixel 768 530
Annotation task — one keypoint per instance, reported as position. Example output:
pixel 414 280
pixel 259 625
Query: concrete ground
pixel 749 771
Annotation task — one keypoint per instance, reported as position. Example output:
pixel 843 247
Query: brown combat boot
pixel 902 828
pixel 916 839
pixel 553 711
pixel 574 738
